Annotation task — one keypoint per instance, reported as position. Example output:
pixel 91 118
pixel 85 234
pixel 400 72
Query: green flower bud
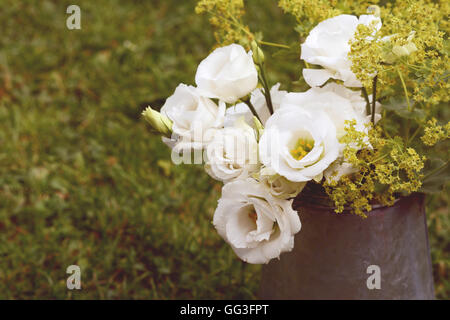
pixel 259 127
pixel 159 122
pixel 258 54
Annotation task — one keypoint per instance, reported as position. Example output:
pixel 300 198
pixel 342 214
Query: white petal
pixel 316 77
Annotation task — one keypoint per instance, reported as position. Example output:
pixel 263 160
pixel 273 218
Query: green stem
pixel 272 44
pixel 239 25
pixel 408 125
pixel 435 170
pixel 374 96
pixel 383 123
pixel 414 135
pixel 252 109
pixel 379 158
pixel 404 89
pixel 417 67
pixel 266 88
pixel 233 21
pixel 366 97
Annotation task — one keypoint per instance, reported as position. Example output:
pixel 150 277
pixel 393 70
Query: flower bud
pixel 159 122
pixel 259 127
pixel 404 50
pixel 227 74
pixel 258 54
pixel 398 51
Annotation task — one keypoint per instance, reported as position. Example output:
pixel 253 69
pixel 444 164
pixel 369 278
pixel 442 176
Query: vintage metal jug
pixel 333 254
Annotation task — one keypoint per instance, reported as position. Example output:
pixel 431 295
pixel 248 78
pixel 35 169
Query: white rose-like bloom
pixel 194 117
pixel 340 104
pixel 259 102
pixel 228 74
pixel 337 101
pixel 258 226
pixel 299 144
pixel 328 45
pixel 233 153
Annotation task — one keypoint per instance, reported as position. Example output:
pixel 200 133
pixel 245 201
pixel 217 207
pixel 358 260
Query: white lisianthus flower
pixel 337 101
pixel 233 113
pixel 228 74
pixel 259 102
pixel 299 144
pixel 328 45
pixel 279 186
pixel 340 104
pixel 194 117
pixel 258 226
pixel 233 153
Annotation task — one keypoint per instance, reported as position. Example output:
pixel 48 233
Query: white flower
pixel 233 153
pixel 328 45
pixel 259 102
pixel 340 104
pixel 194 117
pixel 299 144
pixel 279 186
pixel 258 226
pixel 228 74
pixel 337 101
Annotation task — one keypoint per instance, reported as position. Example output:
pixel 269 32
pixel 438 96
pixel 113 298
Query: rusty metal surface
pixel 332 253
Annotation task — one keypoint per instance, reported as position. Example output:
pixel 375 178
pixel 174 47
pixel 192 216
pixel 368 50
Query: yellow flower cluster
pixel 307 14
pixel 226 18
pixel 367 54
pixel 411 45
pixel 435 133
pixel 386 170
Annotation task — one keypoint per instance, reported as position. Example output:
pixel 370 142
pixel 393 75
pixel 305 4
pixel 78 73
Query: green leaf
pixel 400 107
pixel 437 174
pixel 292 52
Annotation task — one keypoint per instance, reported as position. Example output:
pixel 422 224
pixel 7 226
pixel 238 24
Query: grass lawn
pixel 82 180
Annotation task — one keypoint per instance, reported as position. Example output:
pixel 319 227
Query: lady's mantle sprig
pixel 385 169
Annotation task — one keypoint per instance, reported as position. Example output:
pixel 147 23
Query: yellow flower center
pixel 302 148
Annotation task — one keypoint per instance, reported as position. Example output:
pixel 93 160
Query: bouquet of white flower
pixel 266 144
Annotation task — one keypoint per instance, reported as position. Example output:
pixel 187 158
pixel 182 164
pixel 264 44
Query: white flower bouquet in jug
pixel 369 127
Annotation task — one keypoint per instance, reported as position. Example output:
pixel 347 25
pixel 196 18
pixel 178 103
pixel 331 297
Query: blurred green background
pixel 83 182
